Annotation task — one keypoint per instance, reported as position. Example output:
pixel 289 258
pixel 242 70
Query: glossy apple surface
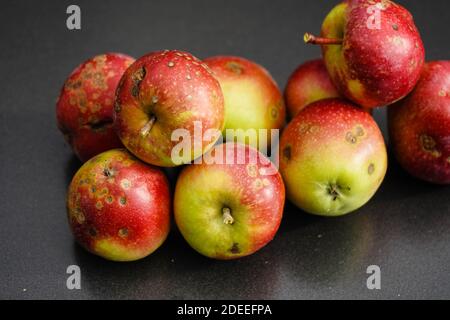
pixel 333 158
pixel 377 54
pixel 119 207
pixel 419 126
pixel 84 109
pixel 227 211
pixel 163 92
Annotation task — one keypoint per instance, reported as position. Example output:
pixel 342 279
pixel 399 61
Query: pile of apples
pixel 119 115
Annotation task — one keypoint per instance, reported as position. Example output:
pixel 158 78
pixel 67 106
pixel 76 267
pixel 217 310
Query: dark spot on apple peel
pixel 371 169
pixel 350 138
pixel 287 153
pixel 429 145
pixel 137 78
pixel 235 248
pixel 235 67
pixel 395 27
pixel 92 232
pixel 123 232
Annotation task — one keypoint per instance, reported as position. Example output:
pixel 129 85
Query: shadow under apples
pixel 72 166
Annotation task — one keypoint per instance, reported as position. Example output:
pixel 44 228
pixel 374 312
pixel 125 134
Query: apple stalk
pixel 312 39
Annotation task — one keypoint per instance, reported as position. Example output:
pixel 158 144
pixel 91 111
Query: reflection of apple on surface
pixel 373 63
pixel 160 93
pixel 252 98
pixel 119 207
pixel 332 158
pixel 419 126
pixel 84 109
pixel 227 211
pixel 309 83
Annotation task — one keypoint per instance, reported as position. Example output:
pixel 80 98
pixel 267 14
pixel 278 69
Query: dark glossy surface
pixel 405 229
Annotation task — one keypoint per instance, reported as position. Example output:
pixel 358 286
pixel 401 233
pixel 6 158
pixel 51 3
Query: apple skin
pixel 332 158
pixel 309 83
pixel 373 67
pixel 252 97
pixel 174 89
pixel 84 109
pixel 118 207
pixel 255 200
pixel 419 126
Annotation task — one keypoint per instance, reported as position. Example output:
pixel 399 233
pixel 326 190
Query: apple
pixel 419 126
pixel 372 50
pixel 229 208
pixel 309 83
pixel 160 93
pixel 252 99
pixel 84 109
pixel 118 207
pixel 332 158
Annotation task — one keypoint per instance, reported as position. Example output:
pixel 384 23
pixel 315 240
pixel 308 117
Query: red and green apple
pixel 333 158
pixel 84 109
pixel 419 126
pixel 163 92
pixel 230 208
pixel 372 50
pixel 253 100
pixel 119 207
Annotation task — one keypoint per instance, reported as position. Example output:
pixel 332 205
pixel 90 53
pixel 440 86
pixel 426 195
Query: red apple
pixel 333 158
pixel 232 207
pixel 253 100
pixel 419 126
pixel 119 207
pixel 372 50
pixel 160 93
pixel 85 106
pixel 309 83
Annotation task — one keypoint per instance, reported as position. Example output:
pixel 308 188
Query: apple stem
pixel 312 39
pixel 148 126
pixel 227 217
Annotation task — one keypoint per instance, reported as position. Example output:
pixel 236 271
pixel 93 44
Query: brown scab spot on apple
pixel 117 106
pixel 123 233
pixel 235 248
pixel 429 145
pixel 125 184
pixel 137 78
pixel 274 113
pixel 252 170
pixel 109 199
pixel 78 215
pixel 235 67
pixel 371 169
pixel 350 138
pixel 287 153
pixel 92 232
pixel 109 172
pixel 442 93
pixel 395 27
pixel 99 205
pixel 123 201
pixel 359 131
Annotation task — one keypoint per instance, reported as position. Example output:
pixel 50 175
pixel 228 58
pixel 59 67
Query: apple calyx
pixel 148 126
pixel 312 39
pixel 227 217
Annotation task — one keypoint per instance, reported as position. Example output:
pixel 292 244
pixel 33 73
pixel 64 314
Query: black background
pixel 405 229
